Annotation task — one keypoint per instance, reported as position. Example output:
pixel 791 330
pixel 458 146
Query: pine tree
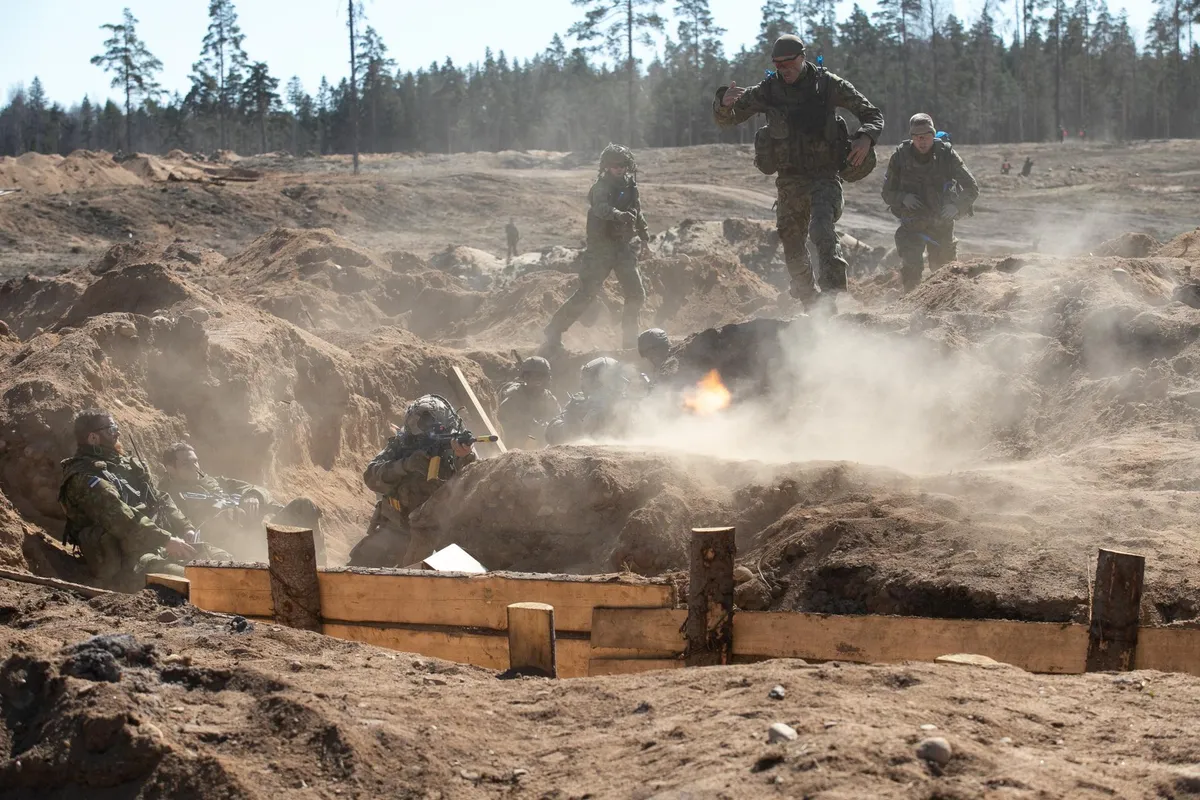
pixel 617 25
pixel 258 98
pixel 132 64
pixel 217 75
pixel 37 112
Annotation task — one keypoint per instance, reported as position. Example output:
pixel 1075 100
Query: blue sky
pixel 54 39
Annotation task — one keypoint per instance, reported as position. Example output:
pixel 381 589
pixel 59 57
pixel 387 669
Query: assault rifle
pixel 438 444
pixel 222 501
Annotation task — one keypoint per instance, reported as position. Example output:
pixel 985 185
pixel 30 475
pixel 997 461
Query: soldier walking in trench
pixel 808 145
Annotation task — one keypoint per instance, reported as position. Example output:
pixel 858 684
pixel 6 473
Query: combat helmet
pixel 851 173
pixel 430 413
pixel 601 376
pixel 651 340
pixel 535 367
pixel 617 155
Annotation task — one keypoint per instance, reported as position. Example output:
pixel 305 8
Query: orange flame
pixel 708 396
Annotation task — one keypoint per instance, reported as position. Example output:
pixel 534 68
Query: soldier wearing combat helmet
pixel 614 217
pixel 927 187
pixel 528 405
pixel 401 475
pixel 655 347
pixel 809 147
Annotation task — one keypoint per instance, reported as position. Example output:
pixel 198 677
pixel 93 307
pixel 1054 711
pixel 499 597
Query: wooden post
pixel 1116 611
pixel 292 554
pixel 709 625
pixel 531 639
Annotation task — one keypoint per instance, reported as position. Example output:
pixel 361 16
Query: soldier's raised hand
pixel 732 94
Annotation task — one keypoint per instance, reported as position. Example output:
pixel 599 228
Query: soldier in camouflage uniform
pixel 800 100
pixel 614 217
pixel 927 187
pixel 400 474
pixel 599 409
pixel 230 512
pixel 527 405
pixel 655 347
pixel 116 517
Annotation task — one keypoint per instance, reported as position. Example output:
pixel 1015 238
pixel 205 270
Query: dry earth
pixel 961 451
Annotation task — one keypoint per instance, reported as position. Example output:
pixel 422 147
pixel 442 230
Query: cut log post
pixel 1116 611
pixel 531 639
pixel 709 625
pixel 292 554
pixel 462 388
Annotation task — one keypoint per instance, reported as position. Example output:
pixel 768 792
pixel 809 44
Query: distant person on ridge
pixel 614 217
pixel 809 146
pixel 514 236
pixel 927 187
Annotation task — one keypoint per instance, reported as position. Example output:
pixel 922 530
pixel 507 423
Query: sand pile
pixel 82 169
pixel 154 169
pixel 1185 245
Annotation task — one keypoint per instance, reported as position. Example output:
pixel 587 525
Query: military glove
pixel 949 211
pixel 417 462
pixel 626 217
pixel 911 202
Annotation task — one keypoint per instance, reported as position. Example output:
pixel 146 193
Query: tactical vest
pixel 622 197
pixel 138 497
pixel 931 180
pixel 804 135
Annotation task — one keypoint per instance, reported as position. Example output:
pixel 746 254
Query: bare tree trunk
pixel 353 87
pixel 629 65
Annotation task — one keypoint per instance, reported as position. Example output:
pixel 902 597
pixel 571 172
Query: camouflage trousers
pixel 914 238
pixel 811 205
pixel 598 262
pixel 113 568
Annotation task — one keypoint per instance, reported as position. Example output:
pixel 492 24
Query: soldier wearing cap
pixel 808 145
pixel 927 187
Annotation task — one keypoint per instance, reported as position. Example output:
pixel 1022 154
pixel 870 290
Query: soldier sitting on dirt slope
pixel 600 409
pixel 230 512
pixel 527 405
pixel 116 517
pixel 403 475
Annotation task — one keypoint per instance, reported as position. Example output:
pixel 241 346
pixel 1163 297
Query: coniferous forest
pixel 644 72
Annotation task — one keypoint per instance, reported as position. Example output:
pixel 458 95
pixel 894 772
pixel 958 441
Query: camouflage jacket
pixel 207 496
pixel 400 473
pixel 114 513
pixel 608 197
pixel 931 178
pixel 802 113
pixel 588 417
pixel 525 413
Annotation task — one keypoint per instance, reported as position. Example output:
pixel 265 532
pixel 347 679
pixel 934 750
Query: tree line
pixel 1014 73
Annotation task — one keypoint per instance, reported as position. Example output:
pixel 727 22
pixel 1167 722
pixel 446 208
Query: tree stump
pixel 709 625
pixel 292 554
pixel 1116 611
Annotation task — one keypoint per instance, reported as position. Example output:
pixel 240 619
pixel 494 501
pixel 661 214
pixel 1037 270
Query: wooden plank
pixel 172 582
pixel 295 594
pixel 52 583
pixel 709 626
pixel 1168 650
pixel 475 601
pixel 629 666
pixel 646 632
pixel 1035 646
pixel 482 650
pixel 231 590
pixel 1116 611
pixel 531 639
pixel 464 388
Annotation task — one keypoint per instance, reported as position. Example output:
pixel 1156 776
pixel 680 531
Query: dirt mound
pixel 318 280
pixel 31 303
pixel 82 169
pixel 1185 245
pixel 1129 245
pixel 270 712
pixel 478 269
pixel 13 529
pixel 260 398
pixel 154 169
